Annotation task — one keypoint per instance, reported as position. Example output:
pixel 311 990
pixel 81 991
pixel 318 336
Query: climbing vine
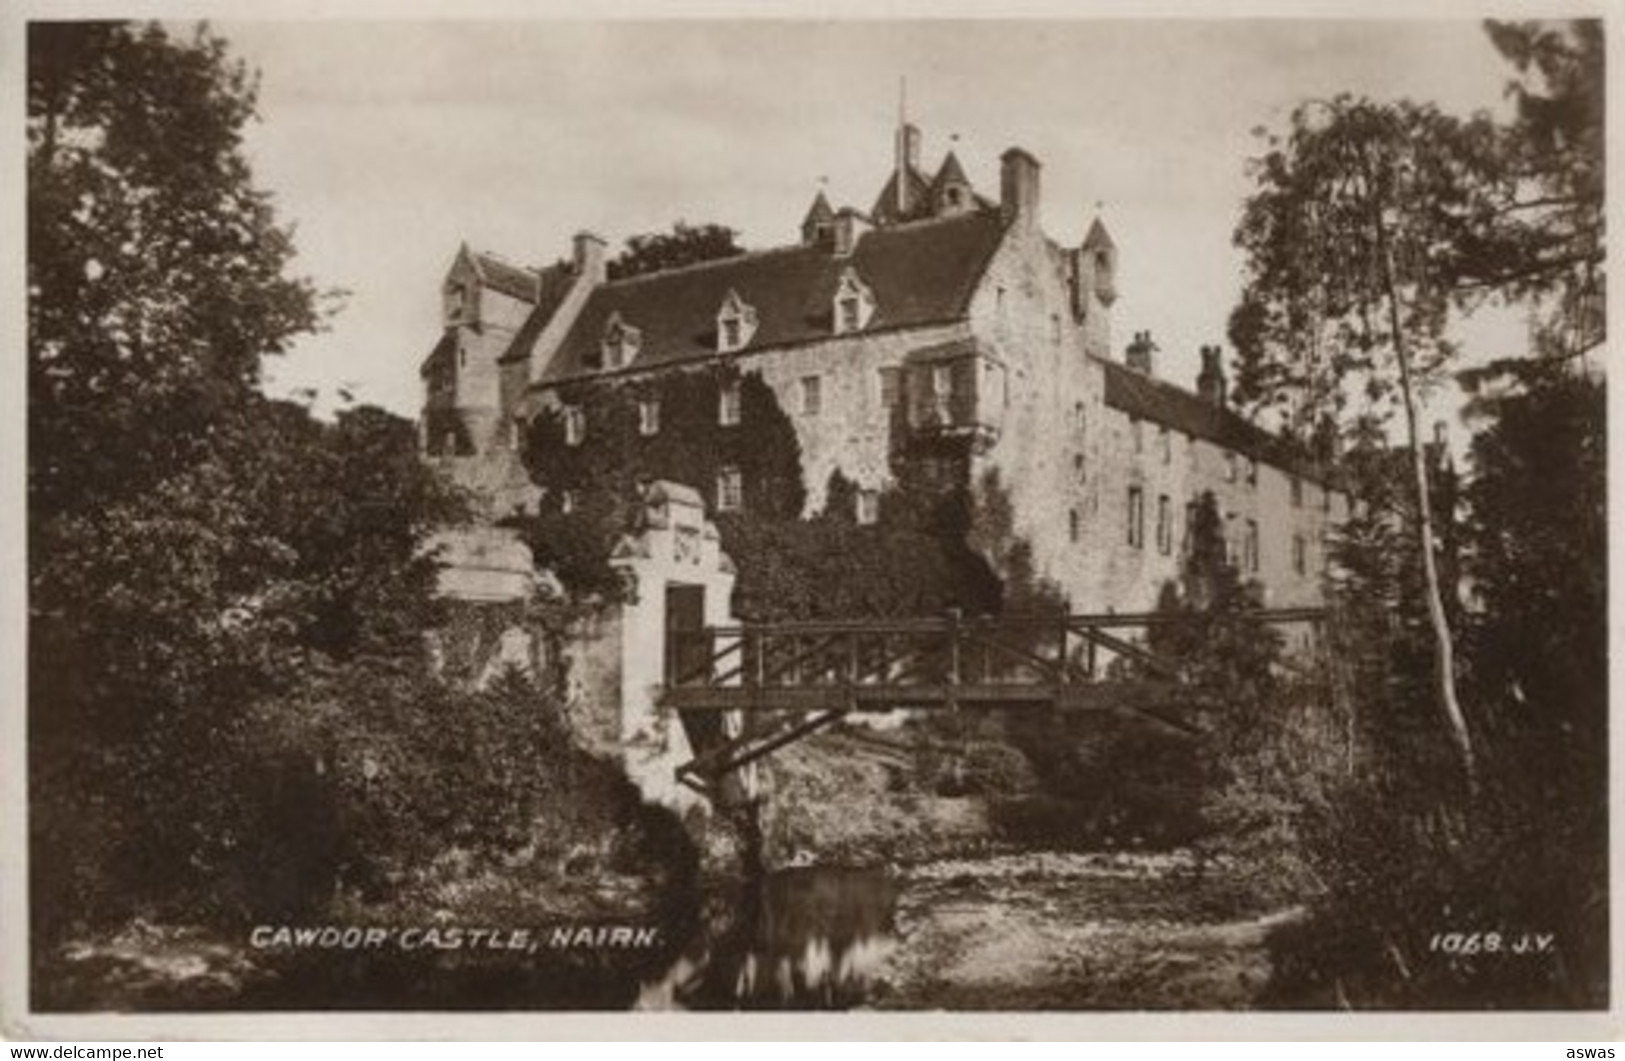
pixel 931 548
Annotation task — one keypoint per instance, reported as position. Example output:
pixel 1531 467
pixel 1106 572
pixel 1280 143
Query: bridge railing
pixel 951 650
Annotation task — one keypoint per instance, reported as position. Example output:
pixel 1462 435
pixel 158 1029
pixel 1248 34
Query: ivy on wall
pixel 591 489
pixel 929 550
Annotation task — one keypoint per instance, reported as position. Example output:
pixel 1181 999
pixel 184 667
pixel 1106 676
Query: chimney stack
pixel 1210 383
pixel 1018 188
pixel 1138 355
pixel 908 161
pixel 589 257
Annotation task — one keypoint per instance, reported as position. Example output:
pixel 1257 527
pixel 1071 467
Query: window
pixel 1165 525
pixel 730 490
pixel 649 417
pixel 1250 546
pixel 1297 492
pixel 1074 526
pixel 999 299
pixel 868 506
pixel 448 444
pixel 812 395
pixel 621 342
pixel 728 405
pixel 890 390
pixel 854 303
pixel 1166 441
pixel 459 304
pixel 848 314
pixel 1078 472
pixel 736 323
pixel 1252 472
pixel 1300 554
pixel 1134 432
pixel 1232 541
pixel 1229 467
pixel 516 432
pixel 1080 419
pixel 942 391
pixel 575 425
pixel 1326 499
pixel 567 501
pixel 1136 517
pixel 1188 540
pixel 955 196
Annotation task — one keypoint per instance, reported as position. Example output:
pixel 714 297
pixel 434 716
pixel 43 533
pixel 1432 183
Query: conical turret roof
pixel 819 212
pixel 1098 238
pixel 950 172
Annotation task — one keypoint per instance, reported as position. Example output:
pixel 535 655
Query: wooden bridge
pixel 788 680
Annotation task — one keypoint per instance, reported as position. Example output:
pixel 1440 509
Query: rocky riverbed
pixel 1076 932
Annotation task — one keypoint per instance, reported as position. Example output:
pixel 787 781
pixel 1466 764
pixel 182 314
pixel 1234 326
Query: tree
pixel 1226 654
pixel 197 551
pixel 1537 553
pixel 1354 241
pixel 1544 243
pixel 685 244
pixel 157 272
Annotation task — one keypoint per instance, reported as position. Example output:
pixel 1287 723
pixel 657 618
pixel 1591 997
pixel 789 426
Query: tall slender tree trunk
pixel 1444 654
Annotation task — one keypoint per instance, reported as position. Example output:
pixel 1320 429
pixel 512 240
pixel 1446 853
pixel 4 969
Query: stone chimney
pixel 1138 355
pixel 849 226
pixel 589 257
pixel 908 161
pixel 1018 188
pixel 1210 383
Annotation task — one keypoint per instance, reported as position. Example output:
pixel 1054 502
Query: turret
pixel 819 224
pixel 951 191
pixel 1097 264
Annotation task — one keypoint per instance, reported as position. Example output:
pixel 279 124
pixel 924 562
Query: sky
pixel 390 143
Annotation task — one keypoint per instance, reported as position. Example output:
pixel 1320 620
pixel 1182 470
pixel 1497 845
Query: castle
pixel 938 304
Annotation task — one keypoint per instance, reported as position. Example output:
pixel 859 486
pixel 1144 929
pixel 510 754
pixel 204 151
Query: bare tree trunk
pixel 1445 657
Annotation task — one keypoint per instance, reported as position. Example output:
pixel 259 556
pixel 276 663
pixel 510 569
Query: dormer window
pixel 854 303
pixel 621 342
pixel 575 425
pixel 847 314
pixel 736 323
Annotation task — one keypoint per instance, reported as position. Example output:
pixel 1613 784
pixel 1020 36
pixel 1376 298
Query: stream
pixel 1032 930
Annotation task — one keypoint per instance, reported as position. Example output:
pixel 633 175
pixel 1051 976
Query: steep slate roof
pixel 442 350
pixel 1098 238
pixel 555 283
pixel 951 170
pixel 820 211
pixel 919 198
pixel 919 273
pixel 505 277
pixel 1163 403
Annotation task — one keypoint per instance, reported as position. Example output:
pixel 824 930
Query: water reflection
pixel 810 938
